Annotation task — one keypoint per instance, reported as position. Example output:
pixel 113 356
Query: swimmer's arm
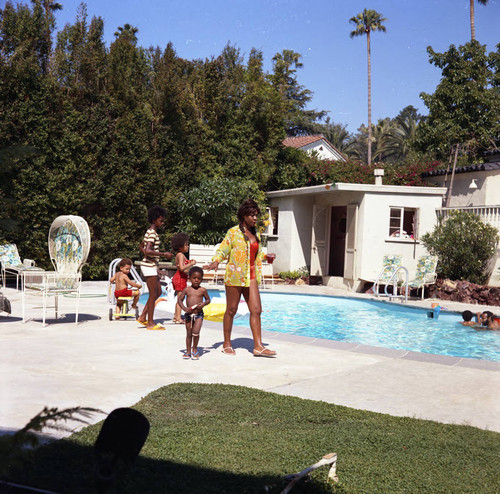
pixel 113 278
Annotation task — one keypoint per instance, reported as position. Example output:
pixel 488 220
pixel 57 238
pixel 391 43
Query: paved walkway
pixel 107 364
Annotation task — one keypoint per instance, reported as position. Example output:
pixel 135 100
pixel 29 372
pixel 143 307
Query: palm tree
pixel 366 22
pixel 472 22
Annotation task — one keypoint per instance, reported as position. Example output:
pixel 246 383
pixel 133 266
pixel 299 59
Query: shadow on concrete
pixel 66 319
pixel 10 319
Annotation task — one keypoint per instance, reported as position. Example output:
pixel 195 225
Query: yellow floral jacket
pixel 236 250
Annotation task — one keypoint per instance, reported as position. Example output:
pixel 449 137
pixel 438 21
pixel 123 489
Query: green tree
pixel 464 108
pixel 464 246
pixel 472 18
pixel 366 22
pixel 295 96
pixel 398 140
pixel 207 211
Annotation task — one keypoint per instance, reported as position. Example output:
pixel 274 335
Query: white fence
pixel 488 214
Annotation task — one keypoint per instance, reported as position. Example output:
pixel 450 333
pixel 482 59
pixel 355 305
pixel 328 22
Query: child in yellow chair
pixel 122 282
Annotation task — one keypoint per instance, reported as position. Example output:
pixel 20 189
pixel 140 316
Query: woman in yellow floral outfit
pixel 242 250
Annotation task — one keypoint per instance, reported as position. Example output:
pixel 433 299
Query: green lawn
pixel 229 439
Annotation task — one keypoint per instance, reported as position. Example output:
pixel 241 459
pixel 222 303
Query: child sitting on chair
pixel 122 282
pixel 180 244
pixel 196 298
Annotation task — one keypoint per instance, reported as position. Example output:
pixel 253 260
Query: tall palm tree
pixel 472 20
pixel 366 22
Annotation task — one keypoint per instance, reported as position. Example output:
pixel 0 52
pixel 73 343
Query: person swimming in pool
pixel 467 316
pixel 488 320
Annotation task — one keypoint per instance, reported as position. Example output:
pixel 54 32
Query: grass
pixel 212 438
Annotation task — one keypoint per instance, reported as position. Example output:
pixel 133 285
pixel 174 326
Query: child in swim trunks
pixel 180 244
pixel 196 298
pixel 122 283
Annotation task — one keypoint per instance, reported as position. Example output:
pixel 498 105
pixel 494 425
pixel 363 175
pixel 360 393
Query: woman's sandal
pixel 229 350
pixel 157 327
pixel 142 323
pixel 177 321
pixel 195 355
pixel 265 352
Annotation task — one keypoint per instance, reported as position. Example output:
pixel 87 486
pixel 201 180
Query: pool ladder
pixel 394 281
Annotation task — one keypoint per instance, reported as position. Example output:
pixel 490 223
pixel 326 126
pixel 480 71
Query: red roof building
pixel 317 144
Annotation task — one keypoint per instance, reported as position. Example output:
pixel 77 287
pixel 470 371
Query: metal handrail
pixel 395 285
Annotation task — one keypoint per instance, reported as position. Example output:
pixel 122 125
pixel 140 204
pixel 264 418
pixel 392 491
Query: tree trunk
pixel 472 24
pixel 369 99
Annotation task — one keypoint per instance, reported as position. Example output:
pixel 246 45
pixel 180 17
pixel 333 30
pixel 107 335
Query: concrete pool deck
pixel 108 364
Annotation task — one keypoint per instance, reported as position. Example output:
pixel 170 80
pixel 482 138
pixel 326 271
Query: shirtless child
pixel 122 282
pixel 196 298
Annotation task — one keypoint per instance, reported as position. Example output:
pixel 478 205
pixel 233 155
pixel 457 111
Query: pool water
pixel 375 323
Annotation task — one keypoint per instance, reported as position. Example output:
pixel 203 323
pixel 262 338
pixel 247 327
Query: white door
pixel 350 242
pixel 319 240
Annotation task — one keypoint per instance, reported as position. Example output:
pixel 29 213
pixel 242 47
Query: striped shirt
pixel 152 236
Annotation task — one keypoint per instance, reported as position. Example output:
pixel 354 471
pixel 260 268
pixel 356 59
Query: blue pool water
pixel 375 323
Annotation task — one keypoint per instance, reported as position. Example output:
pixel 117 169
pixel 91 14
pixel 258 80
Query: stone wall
pixel 463 291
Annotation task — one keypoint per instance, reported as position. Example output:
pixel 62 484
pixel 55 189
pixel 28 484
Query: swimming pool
pixel 375 323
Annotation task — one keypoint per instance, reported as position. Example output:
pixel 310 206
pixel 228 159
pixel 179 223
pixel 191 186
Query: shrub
pixel 464 246
pixel 294 275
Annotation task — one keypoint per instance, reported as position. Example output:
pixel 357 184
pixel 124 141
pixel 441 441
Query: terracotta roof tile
pixel 298 142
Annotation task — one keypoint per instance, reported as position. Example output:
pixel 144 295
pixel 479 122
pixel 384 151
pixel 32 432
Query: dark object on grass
pixel 120 441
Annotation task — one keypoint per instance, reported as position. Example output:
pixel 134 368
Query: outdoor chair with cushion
pixel 390 264
pixel 425 274
pixel 11 263
pixel 69 245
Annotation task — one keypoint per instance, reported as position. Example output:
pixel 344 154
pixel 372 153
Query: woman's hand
pixel 213 265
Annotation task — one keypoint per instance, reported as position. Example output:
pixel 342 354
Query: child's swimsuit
pixel 188 317
pixel 179 280
pixel 123 293
pixel 253 254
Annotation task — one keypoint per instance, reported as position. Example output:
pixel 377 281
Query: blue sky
pixel 335 66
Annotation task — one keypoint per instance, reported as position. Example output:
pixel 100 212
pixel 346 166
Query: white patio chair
pixel 11 263
pixel 425 274
pixel 391 263
pixel 69 245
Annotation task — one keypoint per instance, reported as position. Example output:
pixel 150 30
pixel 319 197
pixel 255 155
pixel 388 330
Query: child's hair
pixel 179 240
pixel 125 262
pixel 155 212
pixel 467 315
pixel 195 269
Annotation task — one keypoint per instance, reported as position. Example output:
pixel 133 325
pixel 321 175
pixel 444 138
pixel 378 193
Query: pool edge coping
pixel 411 355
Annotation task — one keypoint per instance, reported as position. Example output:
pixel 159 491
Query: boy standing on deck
pixel 123 282
pixel 196 298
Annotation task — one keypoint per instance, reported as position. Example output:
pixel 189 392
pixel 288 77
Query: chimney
pixel 379 173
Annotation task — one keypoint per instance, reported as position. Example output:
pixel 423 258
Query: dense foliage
pixel 464 246
pixel 465 107
pixel 106 132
